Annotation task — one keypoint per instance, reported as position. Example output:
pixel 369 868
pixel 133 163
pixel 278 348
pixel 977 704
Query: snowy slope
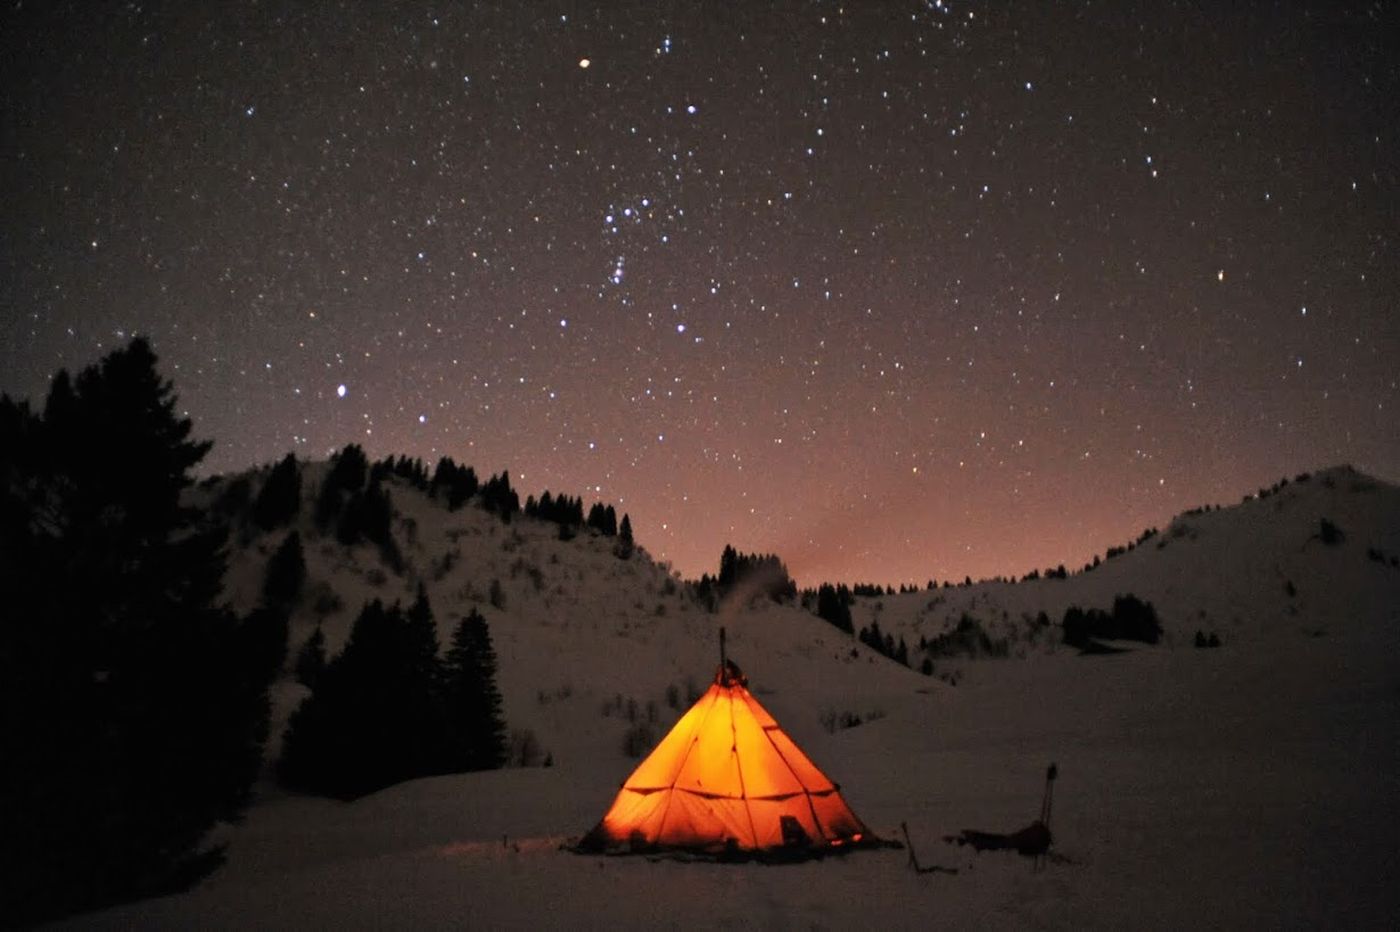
pixel 1228 788
pixel 1253 785
pixel 1251 571
pixel 577 629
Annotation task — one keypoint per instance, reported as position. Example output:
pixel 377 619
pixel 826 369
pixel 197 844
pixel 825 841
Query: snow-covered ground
pixel 1238 787
pixel 1257 784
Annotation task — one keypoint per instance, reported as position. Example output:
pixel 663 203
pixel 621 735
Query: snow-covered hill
pixel 1260 569
pixel 576 628
pixel 1253 785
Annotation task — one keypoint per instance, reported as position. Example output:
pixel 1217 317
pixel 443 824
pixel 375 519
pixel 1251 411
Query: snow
pixel 1225 571
pixel 1256 784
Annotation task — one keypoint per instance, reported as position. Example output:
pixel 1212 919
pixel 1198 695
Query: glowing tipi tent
pixel 728 779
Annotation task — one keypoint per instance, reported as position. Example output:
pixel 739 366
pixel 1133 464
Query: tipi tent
pixel 727 779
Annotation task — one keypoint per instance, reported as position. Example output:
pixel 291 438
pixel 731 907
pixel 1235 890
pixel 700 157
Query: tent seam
pixel 807 793
pixel 694 740
pixel 739 768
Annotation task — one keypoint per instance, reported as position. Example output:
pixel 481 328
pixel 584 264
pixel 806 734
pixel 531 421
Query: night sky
pixel 897 290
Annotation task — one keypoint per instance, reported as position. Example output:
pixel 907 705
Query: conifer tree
pixel 369 514
pixel 422 682
pixel 475 727
pixel 128 723
pixel 312 659
pixel 263 641
pixel 286 573
pixel 369 722
pixel 233 499
pixel 625 544
pixel 347 475
pixel 728 568
pixel 279 500
pixel 833 608
pixel 458 482
pixel 498 497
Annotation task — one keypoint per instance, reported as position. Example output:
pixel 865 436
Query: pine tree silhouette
pixel 279 500
pixel 499 498
pixel 312 659
pixel 625 544
pixel 424 722
pixel 833 608
pixel 122 687
pixel 769 572
pixel 374 716
pixel 457 483
pixel 286 573
pixel 347 475
pixel 263 641
pixel 728 568
pixel 368 515
pixel 476 729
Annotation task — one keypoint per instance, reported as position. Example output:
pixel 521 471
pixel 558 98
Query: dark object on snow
pixel 1033 841
pixel 1094 647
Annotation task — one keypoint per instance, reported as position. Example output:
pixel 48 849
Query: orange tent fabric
pixel 727 778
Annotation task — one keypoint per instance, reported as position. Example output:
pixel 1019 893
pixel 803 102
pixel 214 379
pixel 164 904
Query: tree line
pixel 389 708
pixel 755 574
pixel 134 702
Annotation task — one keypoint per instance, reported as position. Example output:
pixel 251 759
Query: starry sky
pixel 898 290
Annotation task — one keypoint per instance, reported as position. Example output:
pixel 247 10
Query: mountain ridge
pixel 575 624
